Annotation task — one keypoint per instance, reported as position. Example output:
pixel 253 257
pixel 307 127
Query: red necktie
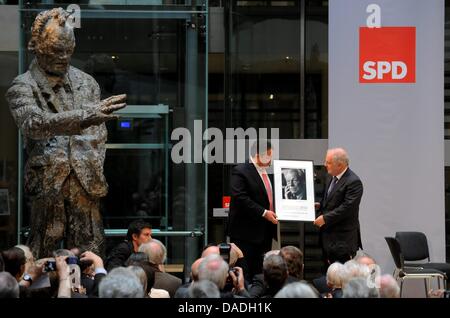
pixel 268 189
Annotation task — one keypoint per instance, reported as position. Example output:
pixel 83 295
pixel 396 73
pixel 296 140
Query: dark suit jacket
pixel 119 255
pixel 167 282
pixel 248 202
pixel 340 209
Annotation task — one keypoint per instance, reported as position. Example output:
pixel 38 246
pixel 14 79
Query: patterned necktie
pixel 268 189
pixel 332 184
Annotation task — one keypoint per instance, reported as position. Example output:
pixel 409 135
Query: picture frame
pixel 294 190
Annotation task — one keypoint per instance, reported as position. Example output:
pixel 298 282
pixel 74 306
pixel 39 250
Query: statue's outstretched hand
pixel 104 111
pixel 113 103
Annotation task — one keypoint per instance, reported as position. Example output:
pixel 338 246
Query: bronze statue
pixel 59 112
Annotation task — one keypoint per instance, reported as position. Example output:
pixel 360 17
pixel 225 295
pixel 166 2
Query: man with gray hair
pixel 203 289
pixel 358 287
pixel 157 253
pixel 121 283
pixel 296 290
pixel 388 286
pixel 216 270
pixel 338 212
pixel 59 112
pixel 9 288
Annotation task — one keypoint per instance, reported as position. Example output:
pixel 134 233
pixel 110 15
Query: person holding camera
pixel 216 270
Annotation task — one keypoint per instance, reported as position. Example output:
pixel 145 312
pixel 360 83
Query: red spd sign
pixel 226 202
pixel 387 55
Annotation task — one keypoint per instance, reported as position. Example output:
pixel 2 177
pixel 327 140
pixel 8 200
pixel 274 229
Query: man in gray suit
pixel 59 112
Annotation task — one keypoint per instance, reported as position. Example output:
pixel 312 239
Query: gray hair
pixel 296 290
pixel 340 155
pixel 334 274
pixel 155 250
pixel 388 287
pixel 62 252
pixel 203 289
pixel 214 269
pixel 140 273
pixel 275 271
pixel 121 283
pixel 358 288
pixel 353 269
pixel 360 255
pixel 9 288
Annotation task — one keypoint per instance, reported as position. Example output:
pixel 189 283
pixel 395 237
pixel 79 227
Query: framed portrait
pixel 294 190
pixel 4 202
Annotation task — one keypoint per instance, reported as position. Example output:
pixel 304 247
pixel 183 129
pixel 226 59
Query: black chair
pixel 403 272
pixel 414 247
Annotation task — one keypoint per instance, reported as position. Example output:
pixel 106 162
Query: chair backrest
pixel 396 252
pixel 414 245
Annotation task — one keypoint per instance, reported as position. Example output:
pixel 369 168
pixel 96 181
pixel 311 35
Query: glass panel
pixel 264 53
pixel 137 130
pixel 8 155
pixel 316 65
pixel 136 188
pixel 157 57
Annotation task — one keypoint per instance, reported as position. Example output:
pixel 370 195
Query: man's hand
pixel 94 258
pixel 288 192
pixel 319 221
pixel 271 217
pixel 238 282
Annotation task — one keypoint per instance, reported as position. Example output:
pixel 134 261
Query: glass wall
pixel 155 52
pixel 268 68
pixel 8 155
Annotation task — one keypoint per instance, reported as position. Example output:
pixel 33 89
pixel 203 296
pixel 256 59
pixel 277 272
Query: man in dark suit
pixel 338 218
pixel 252 220
pixel 139 232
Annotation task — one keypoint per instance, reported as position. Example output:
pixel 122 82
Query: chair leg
pixel 439 282
pixel 426 286
pixel 401 287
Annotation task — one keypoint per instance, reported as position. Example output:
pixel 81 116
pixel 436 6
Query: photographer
pixel 231 254
pixel 216 270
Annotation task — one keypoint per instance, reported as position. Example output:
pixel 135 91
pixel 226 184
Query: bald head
pixel 211 250
pixel 213 268
pixel 194 269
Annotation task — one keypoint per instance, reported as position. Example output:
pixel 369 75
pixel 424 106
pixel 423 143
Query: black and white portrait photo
pixel 294 190
pixel 294 184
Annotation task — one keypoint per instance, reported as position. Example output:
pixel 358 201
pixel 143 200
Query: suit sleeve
pixel 239 193
pixel 38 124
pixel 350 203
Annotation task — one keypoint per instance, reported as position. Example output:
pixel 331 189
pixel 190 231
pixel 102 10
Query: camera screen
pixel 50 266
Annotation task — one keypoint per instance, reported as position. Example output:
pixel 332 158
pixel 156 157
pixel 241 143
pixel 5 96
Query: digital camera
pixel 225 249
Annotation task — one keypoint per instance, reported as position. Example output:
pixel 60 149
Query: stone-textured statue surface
pixel 59 112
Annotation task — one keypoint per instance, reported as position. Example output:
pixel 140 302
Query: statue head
pixel 52 41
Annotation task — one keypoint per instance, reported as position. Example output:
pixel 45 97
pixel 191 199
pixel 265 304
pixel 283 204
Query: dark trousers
pixel 254 256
